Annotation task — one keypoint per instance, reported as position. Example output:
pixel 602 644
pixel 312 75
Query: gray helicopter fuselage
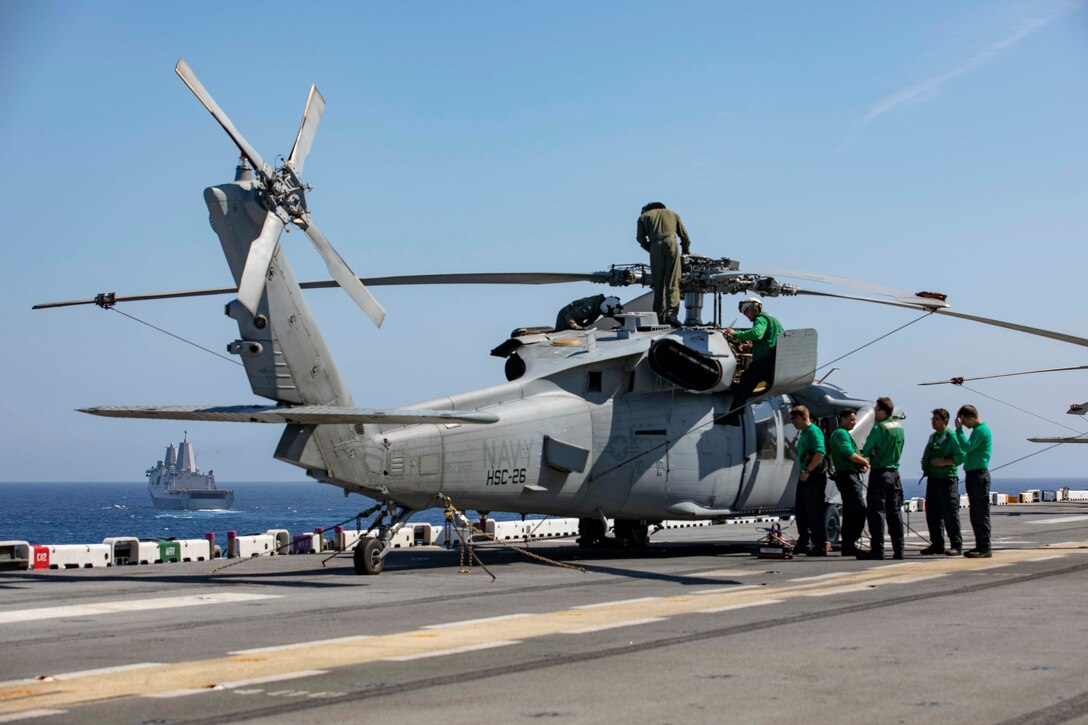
pixel 585 426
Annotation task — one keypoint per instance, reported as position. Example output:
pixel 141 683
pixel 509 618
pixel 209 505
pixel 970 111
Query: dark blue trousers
pixel 943 512
pixel 885 508
pixel 978 496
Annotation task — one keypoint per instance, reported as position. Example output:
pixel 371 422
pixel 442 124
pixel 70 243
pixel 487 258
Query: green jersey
pixel 842 448
pixel 977 448
pixel 943 445
pixel 809 443
pixel 884 445
pixel 763 334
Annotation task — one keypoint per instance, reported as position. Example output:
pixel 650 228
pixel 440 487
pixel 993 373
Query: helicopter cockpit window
pixel 593 381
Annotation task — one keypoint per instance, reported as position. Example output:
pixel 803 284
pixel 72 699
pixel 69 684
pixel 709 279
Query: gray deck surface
pixel 930 639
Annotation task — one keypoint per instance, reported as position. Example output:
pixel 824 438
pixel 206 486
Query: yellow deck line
pixel 198 675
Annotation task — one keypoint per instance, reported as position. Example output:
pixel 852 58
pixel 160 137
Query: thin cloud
pixel 931 86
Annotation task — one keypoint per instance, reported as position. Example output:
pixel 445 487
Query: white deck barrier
pixel 283 540
pixel 15 555
pixel 195 549
pixel 249 545
pixel 149 552
pixel 1076 496
pixel 965 502
pixel 78 556
pixel 124 550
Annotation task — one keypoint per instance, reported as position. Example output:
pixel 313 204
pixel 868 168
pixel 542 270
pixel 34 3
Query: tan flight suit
pixel 657 232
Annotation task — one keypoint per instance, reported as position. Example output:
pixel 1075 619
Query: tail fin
pixel 282 349
pixel 284 354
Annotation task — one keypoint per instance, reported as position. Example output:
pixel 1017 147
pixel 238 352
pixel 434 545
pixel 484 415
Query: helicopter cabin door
pixel 706 464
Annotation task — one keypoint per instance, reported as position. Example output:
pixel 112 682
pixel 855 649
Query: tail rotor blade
pixel 315 107
pixel 251 287
pixel 189 78
pixel 343 275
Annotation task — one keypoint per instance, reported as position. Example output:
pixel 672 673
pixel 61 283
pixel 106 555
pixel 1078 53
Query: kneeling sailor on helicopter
pixel 762 339
pixel 580 314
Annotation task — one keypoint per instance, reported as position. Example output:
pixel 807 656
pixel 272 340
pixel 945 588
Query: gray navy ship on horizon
pixel 176 483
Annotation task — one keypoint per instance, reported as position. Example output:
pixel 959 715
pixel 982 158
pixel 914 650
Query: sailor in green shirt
pixel 849 465
pixel 940 461
pixel 762 336
pixel 884 499
pixel 976 465
pixel 658 228
pixel 811 482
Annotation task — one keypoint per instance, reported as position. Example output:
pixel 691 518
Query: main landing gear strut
pixel 370 552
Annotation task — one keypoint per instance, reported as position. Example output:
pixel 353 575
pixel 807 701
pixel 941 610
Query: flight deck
pixel 693 629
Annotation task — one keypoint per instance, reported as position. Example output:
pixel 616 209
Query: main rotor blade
pixel 255 273
pixel 467 278
pixel 959 381
pixel 315 107
pixel 533 278
pixel 342 273
pixel 189 78
pixel 861 285
pixel 1039 332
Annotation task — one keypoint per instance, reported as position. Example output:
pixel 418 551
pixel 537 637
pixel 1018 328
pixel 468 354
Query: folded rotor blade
pixel 315 107
pixel 1078 439
pixel 189 78
pixel 342 273
pixel 1039 332
pixel 303 414
pixel 861 285
pixel 260 254
pixel 959 381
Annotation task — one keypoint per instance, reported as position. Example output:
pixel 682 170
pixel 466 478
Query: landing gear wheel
pixel 832 523
pixel 632 534
pixel 368 557
pixel 591 532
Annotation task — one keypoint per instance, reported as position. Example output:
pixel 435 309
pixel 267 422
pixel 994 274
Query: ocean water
pixel 84 513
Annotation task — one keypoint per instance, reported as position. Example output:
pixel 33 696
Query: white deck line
pixel 839 590
pixel 618 603
pixel 831 575
pixel 730 607
pixel 614 625
pixel 453 651
pixel 298 645
pixel 29 714
pixel 728 590
pixel 106 670
pixel 219 687
pixel 272 678
pixel 481 620
pixel 127 605
pixel 1059 520
pixel 913 579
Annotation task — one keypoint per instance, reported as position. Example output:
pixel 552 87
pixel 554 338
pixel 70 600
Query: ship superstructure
pixel 176 483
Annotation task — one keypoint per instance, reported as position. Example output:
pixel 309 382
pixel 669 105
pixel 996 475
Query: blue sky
pixel 925 145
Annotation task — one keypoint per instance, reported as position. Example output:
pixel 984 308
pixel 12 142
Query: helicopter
pixel 621 421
